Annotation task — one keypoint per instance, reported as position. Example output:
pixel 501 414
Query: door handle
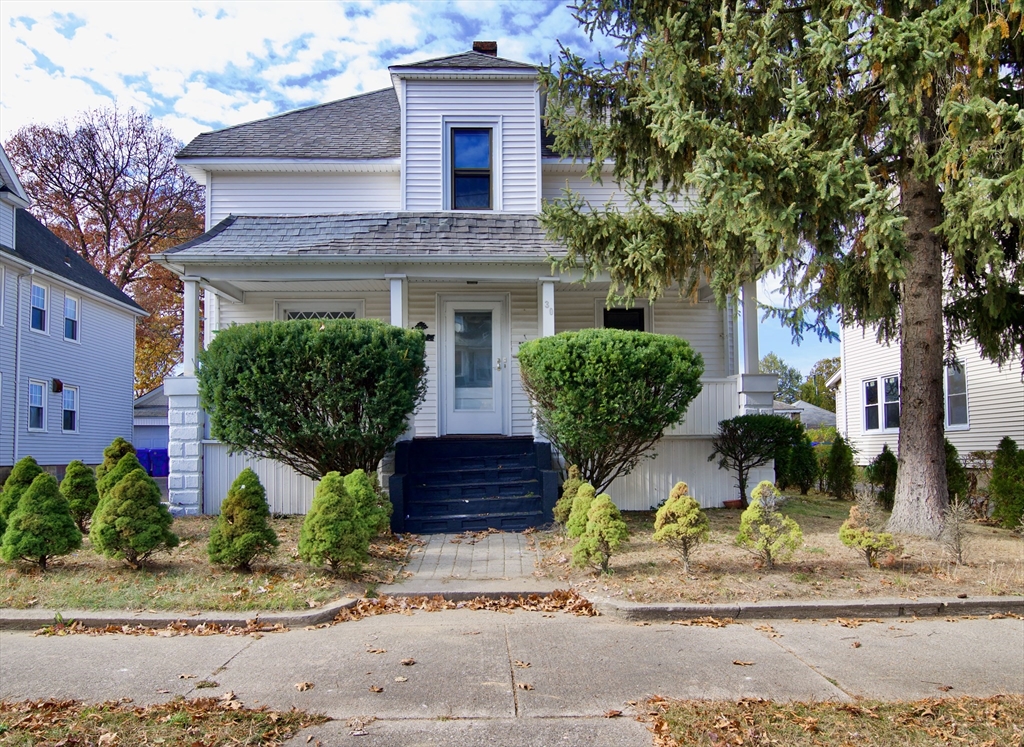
pixel 497 364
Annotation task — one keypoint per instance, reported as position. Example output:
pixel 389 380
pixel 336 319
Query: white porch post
pixel 186 420
pixel 545 328
pixel 211 307
pixel 751 359
pixel 399 318
pixel 190 333
pixel 756 390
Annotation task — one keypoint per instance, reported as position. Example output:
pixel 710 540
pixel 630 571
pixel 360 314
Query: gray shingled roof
pixel 455 235
pixel 364 126
pixel 38 245
pixel 469 61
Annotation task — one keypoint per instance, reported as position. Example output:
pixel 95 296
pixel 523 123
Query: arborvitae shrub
pixel 22 475
pixel 334 530
pixel 580 506
pixel 764 530
pixel 841 474
pixel 40 527
pixel 130 522
pixel 859 533
pixel 242 532
pixel 802 466
pixel 127 464
pixel 373 504
pixel 79 489
pixel 958 485
pixel 882 474
pixel 604 533
pixel 681 523
pixel 1006 488
pixel 563 507
pixel 821 453
pixel 112 454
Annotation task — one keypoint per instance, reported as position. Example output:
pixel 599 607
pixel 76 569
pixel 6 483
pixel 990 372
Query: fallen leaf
pixel 401 679
pixel 739 663
pixel 163 692
pixel 186 676
pixel 229 695
pixel 855 644
pixel 521 664
pixel 408 662
pixel 945 688
pixel 612 714
pixel 360 733
pixel 303 686
pixel 375 689
pixel 108 738
pixel 376 650
pixel 524 686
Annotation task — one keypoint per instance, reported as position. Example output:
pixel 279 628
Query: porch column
pixel 399 312
pixel 190 333
pixel 756 390
pixel 545 328
pixel 211 307
pixel 751 359
pixel 186 423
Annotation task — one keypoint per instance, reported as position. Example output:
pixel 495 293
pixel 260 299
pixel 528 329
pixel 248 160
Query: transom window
pixel 70 318
pixel 319 314
pixel 38 307
pixel 69 421
pixel 956 395
pixel 882 403
pixel 36 405
pixel 471 169
pixel 324 308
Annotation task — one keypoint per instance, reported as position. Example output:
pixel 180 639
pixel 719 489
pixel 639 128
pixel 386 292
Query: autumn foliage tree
pixel 106 183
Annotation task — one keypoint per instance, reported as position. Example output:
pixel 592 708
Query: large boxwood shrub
pixel 604 397
pixel 320 396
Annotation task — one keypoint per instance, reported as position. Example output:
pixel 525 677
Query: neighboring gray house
pixel 67 344
pixel 151 420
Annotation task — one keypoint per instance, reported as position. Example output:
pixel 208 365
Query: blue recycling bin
pixel 145 459
pixel 161 463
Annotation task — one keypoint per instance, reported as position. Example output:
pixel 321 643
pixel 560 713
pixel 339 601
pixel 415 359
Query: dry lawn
pixel 646 571
pixel 185 580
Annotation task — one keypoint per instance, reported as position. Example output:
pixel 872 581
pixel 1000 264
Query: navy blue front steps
pixel 466 484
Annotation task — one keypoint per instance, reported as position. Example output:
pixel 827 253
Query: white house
pixel 983 402
pixel 67 344
pixel 418 204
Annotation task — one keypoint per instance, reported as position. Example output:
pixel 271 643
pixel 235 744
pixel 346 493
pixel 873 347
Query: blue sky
pixel 198 66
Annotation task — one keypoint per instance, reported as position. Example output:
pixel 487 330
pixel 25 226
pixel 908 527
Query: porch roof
pixel 472 237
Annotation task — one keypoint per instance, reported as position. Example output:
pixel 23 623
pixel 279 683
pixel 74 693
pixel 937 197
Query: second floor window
pixel 70 318
pixel 38 307
pixel 471 169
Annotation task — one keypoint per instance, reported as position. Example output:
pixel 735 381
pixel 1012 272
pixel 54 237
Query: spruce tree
pixel 125 466
pixel 563 506
pixel 580 507
pixel 22 475
pixel 841 473
pixel 79 488
pixel 130 522
pixel 603 535
pixel 373 504
pixel 335 531
pixel 112 454
pixel 242 532
pixel 681 523
pixel 40 527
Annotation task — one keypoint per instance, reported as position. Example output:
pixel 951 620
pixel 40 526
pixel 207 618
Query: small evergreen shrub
pixel 127 464
pixel 334 530
pixel 580 507
pixel 40 527
pixel 764 530
pixel 841 475
pixel 563 507
pixel 859 532
pixel 21 477
pixel 821 453
pixel 374 506
pixel 242 532
pixel 79 489
pixel 604 533
pixel 957 483
pixel 748 441
pixel 882 474
pixel 681 523
pixel 954 536
pixel 113 454
pixel 1006 488
pixel 802 465
pixel 130 522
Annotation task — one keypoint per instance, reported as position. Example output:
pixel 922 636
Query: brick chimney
pixel 486 47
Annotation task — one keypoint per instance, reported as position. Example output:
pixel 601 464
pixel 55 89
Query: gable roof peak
pixel 471 60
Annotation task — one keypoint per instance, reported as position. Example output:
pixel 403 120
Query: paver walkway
pixel 452 563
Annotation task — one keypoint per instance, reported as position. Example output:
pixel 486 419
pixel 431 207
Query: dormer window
pixel 471 169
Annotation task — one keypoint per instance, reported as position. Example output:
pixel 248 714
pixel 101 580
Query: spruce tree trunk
pixel 921 496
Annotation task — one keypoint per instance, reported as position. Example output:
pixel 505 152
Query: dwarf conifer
pixel 858 533
pixel 125 466
pixel 681 523
pixel 112 454
pixel 764 530
pixel 79 489
pixel 40 527
pixel 22 475
pixel 373 504
pixel 130 522
pixel 563 507
pixel 604 533
pixel 242 532
pixel 580 507
pixel 334 531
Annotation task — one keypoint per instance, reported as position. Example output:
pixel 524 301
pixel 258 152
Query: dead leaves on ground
pixel 303 686
pixel 471 538
pixel 253 628
pixel 705 622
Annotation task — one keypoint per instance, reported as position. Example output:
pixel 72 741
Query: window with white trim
pixel 345 309
pixel 956 395
pixel 472 167
pixel 38 321
pixel 882 403
pixel 71 305
pixel 37 405
pixel 69 409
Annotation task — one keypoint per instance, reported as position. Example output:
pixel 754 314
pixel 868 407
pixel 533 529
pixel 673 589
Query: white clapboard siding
pixel 301 193
pixel 259 305
pixel 288 492
pixel 598 195
pixel 716 402
pixel 6 224
pixel 510 105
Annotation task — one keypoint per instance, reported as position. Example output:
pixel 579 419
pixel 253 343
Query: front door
pixel 474 367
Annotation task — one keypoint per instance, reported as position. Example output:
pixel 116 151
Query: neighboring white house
pixel 67 344
pixel 983 401
pixel 417 205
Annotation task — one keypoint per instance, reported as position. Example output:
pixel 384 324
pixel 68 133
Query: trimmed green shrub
pixel 750 441
pixel 957 483
pixel 127 464
pixel 112 454
pixel 580 507
pixel 22 475
pixel 563 507
pixel 335 531
pixel 79 489
pixel 130 522
pixel 1006 488
pixel 882 474
pixel 319 396
pixel 604 533
pixel 764 530
pixel 374 506
pixel 242 532
pixel 604 397
pixel 799 466
pixel 821 453
pixel 858 533
pixel 841 475
pixel 681 523
pixel 40 527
